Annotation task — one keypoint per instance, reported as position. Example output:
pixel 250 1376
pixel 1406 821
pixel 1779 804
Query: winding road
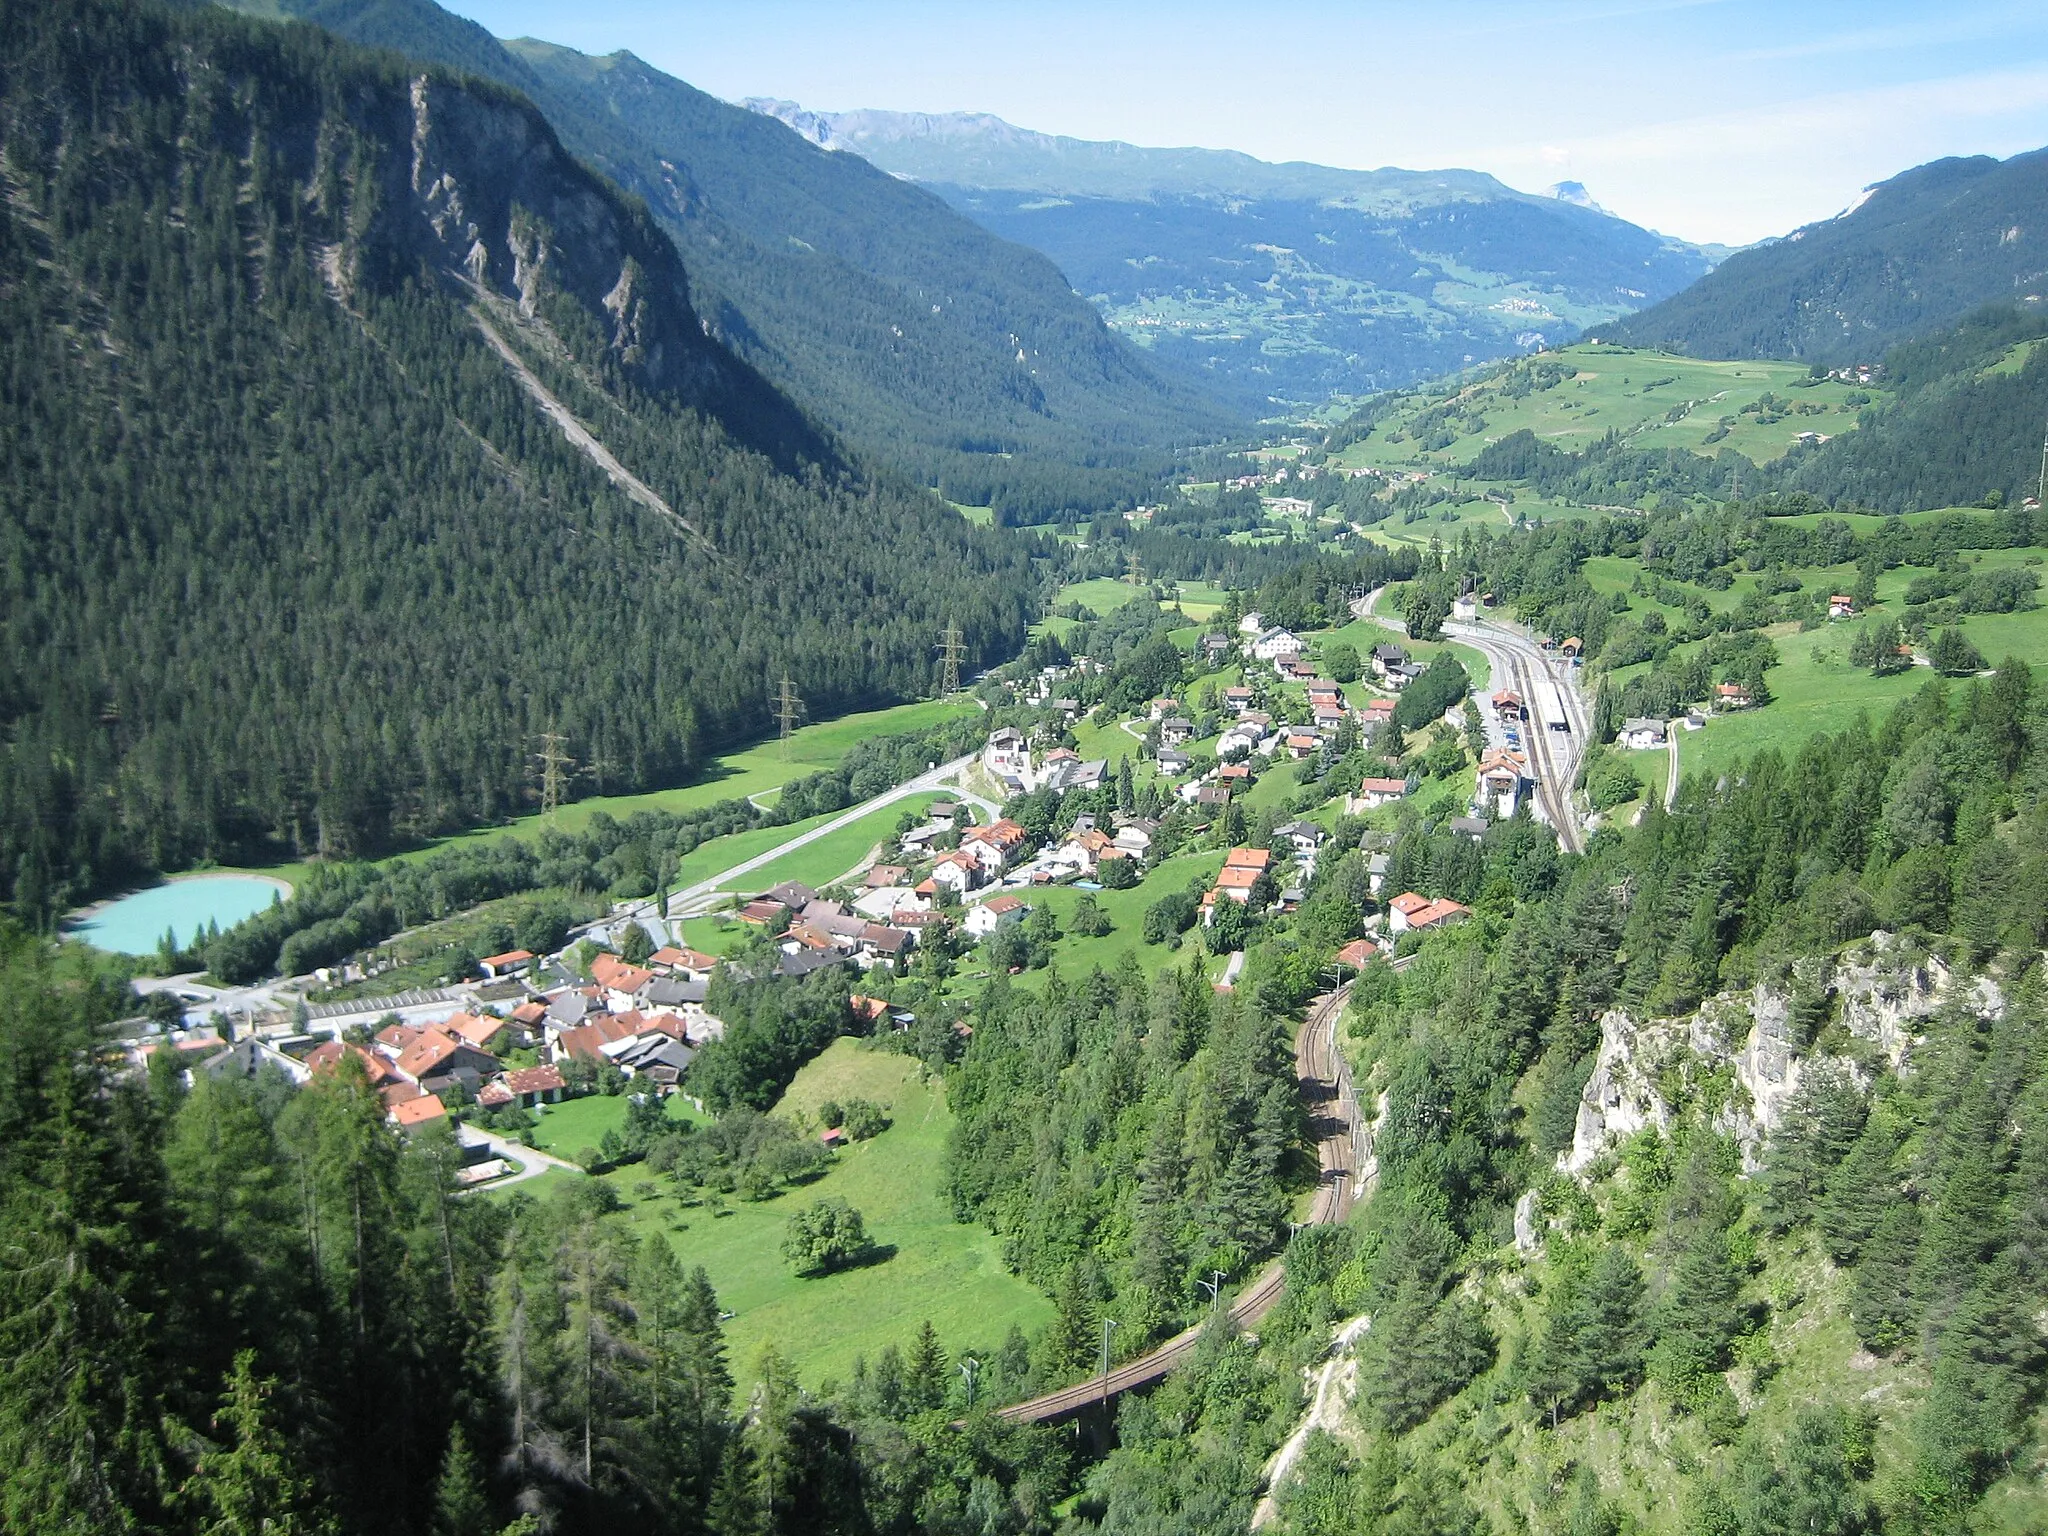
pixel 1324 1079
pixel 697 898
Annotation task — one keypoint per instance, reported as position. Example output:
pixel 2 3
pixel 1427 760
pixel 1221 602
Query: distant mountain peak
pixel 1573 192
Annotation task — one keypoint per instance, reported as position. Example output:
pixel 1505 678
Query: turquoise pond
pixel 135 924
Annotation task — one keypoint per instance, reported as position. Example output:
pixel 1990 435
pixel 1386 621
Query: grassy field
pixel 749 770
pixel 1658 399
pixel 935 1267
pixel 1076 956
pixel 1098 596
pixel 818 864
pixel 567 1128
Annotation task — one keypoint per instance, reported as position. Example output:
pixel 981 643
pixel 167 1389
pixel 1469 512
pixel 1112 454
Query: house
pixel 329 1056
pixel 1134 836
pixel 684 992
pixel 809 962
pixel 1085 848
pixel 1175 731
pixel 1841 607
pixel 1374 793
pixel 1572 649
pixel 1238 700
pixel 1252 623
pixel 1241 740
pixel 1736 695
pixel 1640 733
pixel 1410 913
pixel 624 986
pixel 1073 773
pixel 247 1059
pixel 1276 643
pixel 1215 797
pixel 762 914
pixel 946 811
pixel 881 944
pixel 1215 648
pixel 1235 775
pixel 1385 656
pixel 588 1041
pixel 655 1055
pixel 1159 709
pixel 1293 669
pixel 1401 674
pixel 1376 867
pixel 993 846
pixel 793 894
pixel 1695 721
pixel 1465 606
pixel 1305 837
pixel 1503 777
pixel 1067 708
pixel 1248 858
pixel 1355 955
pixel 535 1085
pixel 883 905
pixel 411 1114
pixel 1508 705
pixel 958 871
pixel 1376 712
pixel 1237 883
pixel 437 1054
pixel 477 1030
pixel 985 917
pixel 527 1019
pixel 1173 762
pixel 511 963
pixel 1007 756
pixel 1322 696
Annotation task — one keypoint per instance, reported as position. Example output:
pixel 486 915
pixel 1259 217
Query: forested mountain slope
pixel 1295 281
pixel 956 356
pixel 1919 252
pixel 292 557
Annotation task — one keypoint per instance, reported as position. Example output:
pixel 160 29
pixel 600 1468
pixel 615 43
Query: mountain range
pixel 1281 283
pixel 1913 254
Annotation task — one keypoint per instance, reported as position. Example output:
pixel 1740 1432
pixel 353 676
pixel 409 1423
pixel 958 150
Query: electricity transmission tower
pixel 555 764
pixel 789 709
pixel 952 648
pixel 1134 568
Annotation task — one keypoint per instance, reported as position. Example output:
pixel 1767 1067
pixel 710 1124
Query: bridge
pixel 1324 1079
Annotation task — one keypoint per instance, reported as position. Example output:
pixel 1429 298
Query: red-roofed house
pixel 535 1085
pixel 436 1054
pixel 1410 913
pixel 1355 954
pixel 510 963
pixel 414 1113
pixel 329 1055
pixel 474 1029
pixel 1248 858
pixel 985 917
pixel 1374 793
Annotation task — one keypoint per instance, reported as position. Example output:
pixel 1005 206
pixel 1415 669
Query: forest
pixel 289 562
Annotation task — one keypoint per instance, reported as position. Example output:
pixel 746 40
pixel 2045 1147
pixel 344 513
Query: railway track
pixel 1324 1080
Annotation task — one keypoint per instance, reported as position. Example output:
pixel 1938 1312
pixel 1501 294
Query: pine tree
pixel 924 1379
pixel 249 1487
pixel 1881 1297
pixel 462 1507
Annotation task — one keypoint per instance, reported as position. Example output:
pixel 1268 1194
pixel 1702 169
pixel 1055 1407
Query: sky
pixel 1713 120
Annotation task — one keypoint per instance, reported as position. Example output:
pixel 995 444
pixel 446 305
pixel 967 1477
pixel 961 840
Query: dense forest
pixel 292 562
pixel 1915 254
pixel 959 359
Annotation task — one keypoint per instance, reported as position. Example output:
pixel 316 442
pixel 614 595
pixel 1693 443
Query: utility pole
pixel 952 650
pixel 2041 486
pixel 1134 568
pixel 788 710
pixel 555 763
pixel 1107 1324
pixel 1215 1284
pixel 969 1369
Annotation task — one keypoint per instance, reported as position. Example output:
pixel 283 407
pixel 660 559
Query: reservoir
pixel 135 924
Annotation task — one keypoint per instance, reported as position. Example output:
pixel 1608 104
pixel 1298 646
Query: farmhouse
pixel 1639 734
pixel 1276 643
pixel 985 917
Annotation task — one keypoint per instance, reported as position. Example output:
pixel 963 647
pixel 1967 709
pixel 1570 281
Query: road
pixel 1324 1081
pixel 532 1163
pixel 1671 730
pixel 697 898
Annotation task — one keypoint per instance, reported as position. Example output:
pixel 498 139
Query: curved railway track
pixel 1324 1079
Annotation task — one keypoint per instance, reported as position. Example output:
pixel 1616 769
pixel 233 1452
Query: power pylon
pixel 555 764
pixel 1134 568
pixel 952 649
pixel 789 709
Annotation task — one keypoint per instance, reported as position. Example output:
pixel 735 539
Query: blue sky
pixel 1712 119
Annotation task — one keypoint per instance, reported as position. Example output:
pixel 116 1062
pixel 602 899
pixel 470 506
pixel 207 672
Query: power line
pixel 789 709
pixel 555 763
pixel 1134 568
pixel 952 648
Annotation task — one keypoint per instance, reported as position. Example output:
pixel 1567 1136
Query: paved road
pixel 1324 1080
pixel 697 898
pixel 532 1162
pixel 1671 730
